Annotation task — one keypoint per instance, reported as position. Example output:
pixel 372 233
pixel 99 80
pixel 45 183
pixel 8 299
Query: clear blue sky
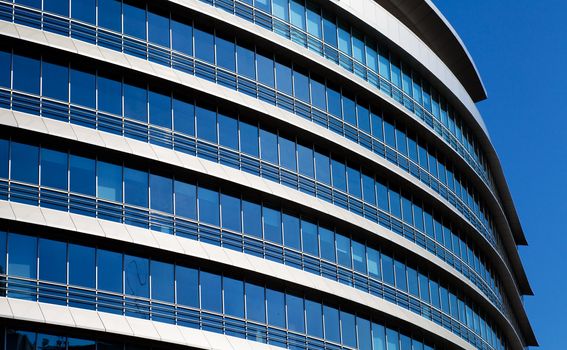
pixel 520 49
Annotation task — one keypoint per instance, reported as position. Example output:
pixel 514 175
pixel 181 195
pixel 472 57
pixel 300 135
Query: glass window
pixel 25 73
pixel 225 52
pixel 305 160
pixel 396 72
pixel 407 210
pixel 424 287
pixel 269 146
pixel 52 261
pixel 314 315
pixel 84 10
pixel 53 169
pixel 298 14
pixel 339 175
pixel 5 67
pixel 204 45
pixel 389 133
pixel 283 78
pixel 349 109
pixel 359 257
pixel 109 181
pixel 109 14
pixel 287 154
pixel 343 251
pixel 55 79
pixel 291 231
pixel 181 35
pixel 233 297
pixel 136 187
pixel 265 69
pixel 185 199
pixel 16 340
pixel 255 303
pixel 385 64
pixel 363 118
pixel 434 290
pixel 280 9
pixel 405 342
pixel 374 263
pixel 83 86
pixel 301 84
pixel 252 217
pixel 371 55
pixel 332 331
pixel 348 329
pixel 82 266
pixel 377 127
pixel 25 162
pixel 158 26
pixel 382 190
pixel 184 114
pixel 329 29
pixel 322 168
pixel 364 335
pixel 211 292
pixel 334 100
pixel 187 286
pixel 354 182
pixel 22 255
pixel 272 225
pixel 50 342
pixel 318 93
pixel 163 286
pixel 228 130
pixel 263 5
pixel 368 189
pixel 208 206
pixel 309 237
pixel 161 193
pixel 160 108
pixel 327 242
pixel 135 101
pixel 110 93
pixel 82 175
pixel 395 203
pixel 401 282
pixel 134 19
pixel 358 46
pixel 206 123
pixel 295 313
pixel 314 20
pixel 276 307
pixel 392 337
pixel 344 38
pixel 378 337
pixel 413 282
pixel 249 139
pixel 109 271
pixel 230 206
pixel 245 58
pixel 388 269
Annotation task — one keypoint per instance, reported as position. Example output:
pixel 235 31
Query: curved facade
pixel 233 174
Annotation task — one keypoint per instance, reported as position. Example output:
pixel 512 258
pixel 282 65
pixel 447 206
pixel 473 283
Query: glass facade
pixel 418 170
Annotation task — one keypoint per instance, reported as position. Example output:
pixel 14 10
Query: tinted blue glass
pixel 265 69
pixel 301 85
pixel 318 94
pixel 161 190
pixel 392 339
pixel 291 231
pixel 25 162
pixel 55 80
pixel 305 160
pixel 16 339
pixel 374 263
pixel 251 213
pixel 339 174
pixel 82 175
pixel 109 271
pixel 230 212
pixel 354 182
pixel 413 282
pixel 364 335
pixel 160 109
pixel 363 116
pixel 275 301
pixel 395 203
pixel 349 111
pixel 82 267
pixel 255 303
pixel 184 115
pixel 272 225
pixel 401 141
pixel 22 255
pixel 401 282
pixel 249 139
pixel 322 168
pixel 283 78
pixel 332 330
pixel 211 292
pixel 424 288
pixel 134 19
pixel 287 154
pixel 269 146
pixel 295 313
pixel 5 67
pixel 385 64
pixel 26 73
pixel 377 126
pixel 84 10
pixel 182 35
pixel 343 251
pixel 137 276
pixel 135 104
pixel 406 210
pixel 185 199
pixel 109 181
pixel 56 6
pixel 329 29
pixel 348 329
pixel 358 46
pixel 246 66
pixel 297 17
pixel 51 342
pixel 158 27
pixel 233 297
pixel 263 5
pixel 344 38
pixel 109 14
pixel 396 72
pixel 383 202
pixel 208 206
pixel 52 261
pixel 3 252
pixel 314 315
pixel 162 281
pixel 378 337
pixel 314 20
pixel 110 94
pixel 225 53
pixel 388 269
pixel 204 45
pixel 280 9
pixel 187 286
pixel 327 242
pixel 83 87
pixel 53 169
pixel 206 123
pixel 359 257
pixel 389 134
pixel 309 237
pixel 368 189
pixel 136 187
pixel 434 290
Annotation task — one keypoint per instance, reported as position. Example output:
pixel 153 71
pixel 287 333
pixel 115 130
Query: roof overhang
pixel 427 22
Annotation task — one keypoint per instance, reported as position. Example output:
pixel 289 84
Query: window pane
pixel 318 93
pixel 283 78
pixel 395 203
pixel 359 257
pixel 269 146
pixel 230 212
pixel 378 337
pixel 287 154
pixel 280 9
pixel 332 331
pixel 135 101
pixel 291 231
pixel 295 313
pixel 246 61
pixel 82 174
pixel 255 307
pixel 55 79
pixel 160 108
pixel 53 169
pixel 225 53
pixel 272 225
pixel 82 266
pixel 349 111
pixel 187 286
pixel 392 339
pixel 204 48
pixel 163 286
pixel 388 269
pixel 83 10
pixel 233 297
pixel 83 85
pixel 401 282
pixel 327 241
pixel 314 314
pixel 364 340
pixel 339 175
pixel 343 251
pixel 158 27
pixel 109 181
pixel 374 263
pixel 109 14
pixel 211 292
pixel 110 93
pixel 52 261
pixel 25 162
pixel 348 329
pixel 182 35
pixel 322 168
pixel 22 254
pixel 184 114
pixel 301 85
pixel 228 131
pixel 276 308
pixel 354 182
pixel 309 237
pixel 26 73
pixel 206 123
pixel 305 160
pixel 334 100
pixel 136 187
pixel 109 271
pixel 5 67
pixel 161 193
pixel 251 213
pixel 298 14
pixel 185 199
pixel 208 206
pixel 344 38
pixel 249 139
pixel 265 69
pixel 136 272
pixel 134 19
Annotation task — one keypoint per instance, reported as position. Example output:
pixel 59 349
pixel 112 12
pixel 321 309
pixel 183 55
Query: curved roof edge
pixel 426 21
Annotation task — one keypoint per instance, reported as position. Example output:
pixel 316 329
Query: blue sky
pixel 520 49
